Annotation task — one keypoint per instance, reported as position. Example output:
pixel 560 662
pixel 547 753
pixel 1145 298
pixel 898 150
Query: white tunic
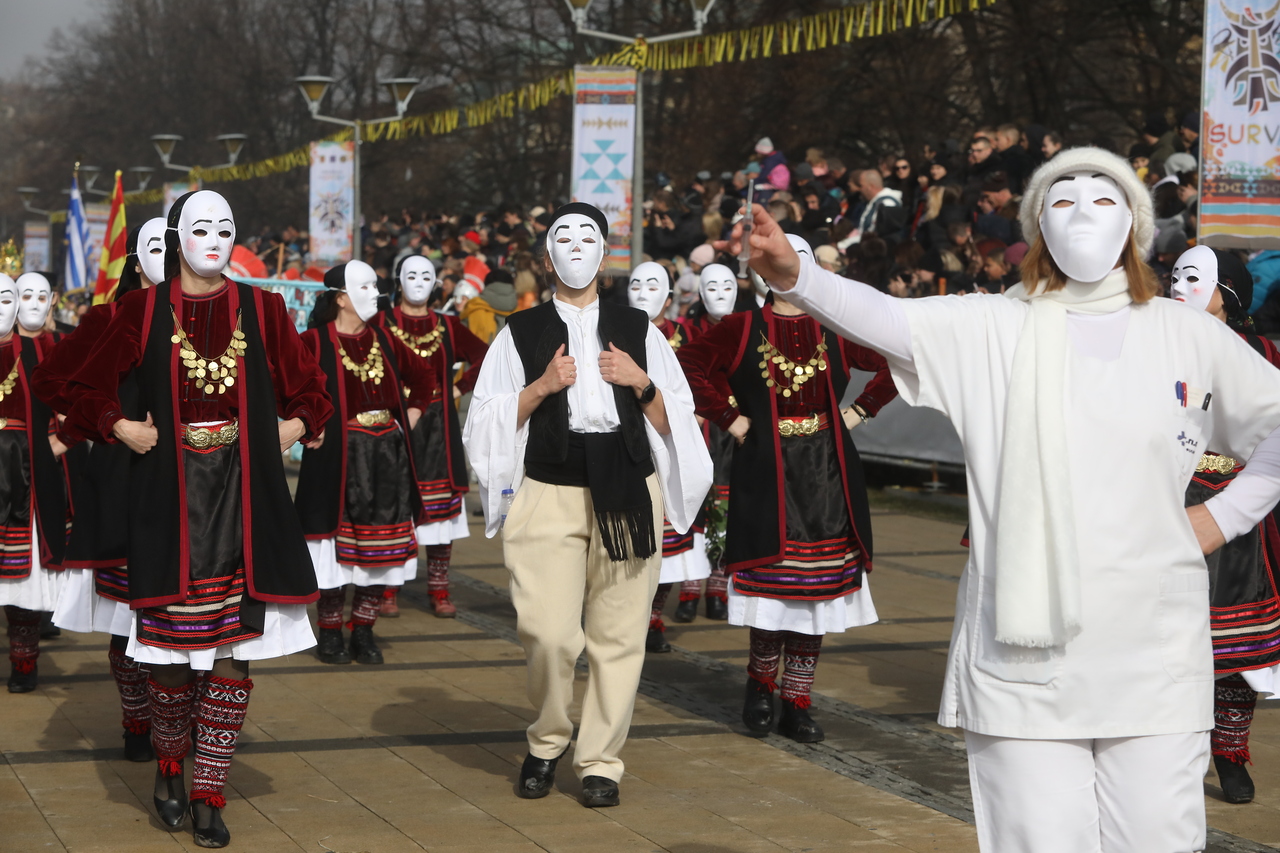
pixel 1143 663
pixel 496 445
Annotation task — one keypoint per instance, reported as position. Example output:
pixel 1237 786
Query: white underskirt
pixel 444 532
pixel 285 631
pixel 1265 681
pixel 330 574
pixel 80 608
pixel 814 618
pixel 692 565
pixel 37 591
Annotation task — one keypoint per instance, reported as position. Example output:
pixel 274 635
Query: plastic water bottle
pixel 508 495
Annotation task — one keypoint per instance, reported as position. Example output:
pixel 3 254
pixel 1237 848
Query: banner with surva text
pixel 1240 126
pixel 604 115
pixel 332 201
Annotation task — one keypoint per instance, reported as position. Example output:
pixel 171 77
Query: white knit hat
pixel 1098 162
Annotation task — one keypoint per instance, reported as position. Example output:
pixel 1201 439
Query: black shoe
pixel 171 810
pixel 656 642
pixel 599 792
pixel 757 710
pixel 798 725
pixel 717 608
pixel 1237 786
pixel 23 682
pixel 48 630
pixel 686 611
pixel 138 747
pixel 214 832
pixel 330 648
pixel 537 775
pixel 363 647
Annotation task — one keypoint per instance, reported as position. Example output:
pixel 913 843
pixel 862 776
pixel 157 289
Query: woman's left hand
pixel 1206 529
pixel 619 368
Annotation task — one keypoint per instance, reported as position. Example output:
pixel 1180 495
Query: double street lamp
pixel 314 88
pixel 90 173
pixel 232 143
pixel 578 9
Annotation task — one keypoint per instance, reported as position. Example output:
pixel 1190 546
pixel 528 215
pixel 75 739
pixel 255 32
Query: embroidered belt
pixel 204 438
pixel 1213 463
pixel 12 423
pixel 381 417
pixel 788 427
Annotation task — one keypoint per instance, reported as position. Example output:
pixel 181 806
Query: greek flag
pixel 76 274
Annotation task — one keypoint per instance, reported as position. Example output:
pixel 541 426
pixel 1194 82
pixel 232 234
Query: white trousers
pixel 1109 795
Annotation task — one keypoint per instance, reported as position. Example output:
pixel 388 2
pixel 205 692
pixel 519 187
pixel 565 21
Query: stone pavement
pixel 423 752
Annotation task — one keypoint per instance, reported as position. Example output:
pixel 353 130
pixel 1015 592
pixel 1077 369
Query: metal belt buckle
pixel 1216 464
pixel 808 426
pixel 381 417
pixel 4 423
pixel 203 438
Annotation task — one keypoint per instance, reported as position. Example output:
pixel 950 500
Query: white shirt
pixel 496 444
pixel 1143 664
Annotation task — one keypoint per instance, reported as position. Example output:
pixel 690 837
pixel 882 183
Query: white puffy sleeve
pixel 680 459
pixel 495 443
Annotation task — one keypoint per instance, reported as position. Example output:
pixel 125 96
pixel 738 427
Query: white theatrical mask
pixel 649 288
pixel 417 279
pixel 1086 221
pixel 576 247
pixel 8 304
pixel 362 289
pixel 719 289
pixel 802 247
pixel 151 251
pixel 1195 277
pixel 35 298
pixel 206 233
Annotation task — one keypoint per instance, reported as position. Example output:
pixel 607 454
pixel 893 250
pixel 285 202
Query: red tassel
pixel 438 594
pixel 23 666
pixel 169 767
pixel 689 596
pixel 213 801
pixel 656 624
pixel 767 682
pixel 800 702
pixel 137 727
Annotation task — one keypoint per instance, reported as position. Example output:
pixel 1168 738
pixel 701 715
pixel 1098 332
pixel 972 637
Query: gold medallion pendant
pixel 792 376
pixel 211 375
pixel 6 387
pixel 423 346
pixel 371 368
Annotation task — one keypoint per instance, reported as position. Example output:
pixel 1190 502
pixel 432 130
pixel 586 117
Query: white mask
pixel 719 289
pixel 1085 237
pixel 1195 277
pixel 35 298
pixel 362 289
pixel 649 288
pixel 151 250
pixel 802 247
pixel 576 247
pixel 206 233
pixel 8 304
pixel 417 279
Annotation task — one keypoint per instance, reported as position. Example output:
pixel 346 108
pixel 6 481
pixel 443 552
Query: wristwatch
pixel 647 395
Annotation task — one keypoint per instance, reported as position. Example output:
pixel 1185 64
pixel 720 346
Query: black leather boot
pixel 330 647
pixel 537 776
pixel 23 682
pixel 1234 779
pixel 173 806
pixel 363 647
pixel 137 748
pixel 599 792
pixel 796 724
pixel 757 710
pixel 207 827
pixel 717 608
pixel 656 642
pixel 686 611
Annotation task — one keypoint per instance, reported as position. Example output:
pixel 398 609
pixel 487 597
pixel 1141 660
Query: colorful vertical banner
pixel 35 246
pixel 1240 127
pixel 604 115
pixel 96 216
pixel 332 201
pixel 174 190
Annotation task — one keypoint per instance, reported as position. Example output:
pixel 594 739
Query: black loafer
pixel 757 708
pixel 137 748
pixel 686 611
pixel 599 792
pixel 215 834
pixel 537 775
pixel 363 647
pixel 23 682
pixel 1234 779
pixel 717 608
pixel 174 809
pixel 656 642
pixel 330 647
pixel 796 724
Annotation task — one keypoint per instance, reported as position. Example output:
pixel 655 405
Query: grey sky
pixel 29 23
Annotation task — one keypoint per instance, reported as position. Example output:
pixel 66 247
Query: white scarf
pixel 1037 561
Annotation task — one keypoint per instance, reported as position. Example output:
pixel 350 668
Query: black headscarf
pixel 130 278
pixel 1235 283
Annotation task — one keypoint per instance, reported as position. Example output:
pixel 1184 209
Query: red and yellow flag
pixel 111 259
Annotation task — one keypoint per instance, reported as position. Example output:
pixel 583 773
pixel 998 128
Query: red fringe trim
pixel 800 702
pixel 767 682
pixel 390 592
pixel 23 667
pixel 213 801
pixel 656 624
pixel 137 727
pixel 1235 756
pixel 689 596
pixel 437 594
pixel 169 767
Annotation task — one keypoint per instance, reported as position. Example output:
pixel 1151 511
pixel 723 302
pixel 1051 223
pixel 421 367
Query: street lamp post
pixel 28 194
pixel 232 143
pixel 313 89
pixel 578 9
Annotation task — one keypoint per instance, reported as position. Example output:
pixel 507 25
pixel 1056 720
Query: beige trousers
pixel 569 596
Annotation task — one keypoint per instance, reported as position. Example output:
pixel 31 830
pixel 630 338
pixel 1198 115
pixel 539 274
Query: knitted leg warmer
pixel 1233 704
pixel 718 583
pixel 24 638
pixel 801 661
pixel 659 602
pixel 171 712
pixel 329 607
pixel 131 680
pixel 222 710
pixel 690 590
pixel 366 604
pixel 766 648
pixel 438 559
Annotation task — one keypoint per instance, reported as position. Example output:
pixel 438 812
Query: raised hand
pixel 772 257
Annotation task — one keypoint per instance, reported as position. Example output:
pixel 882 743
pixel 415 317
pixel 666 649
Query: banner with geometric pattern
pixel 604 114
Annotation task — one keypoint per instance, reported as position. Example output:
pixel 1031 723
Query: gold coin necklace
pixel 792 375
pixel 211 375
pixel 6 387
pixel 370 368
pixel 423 346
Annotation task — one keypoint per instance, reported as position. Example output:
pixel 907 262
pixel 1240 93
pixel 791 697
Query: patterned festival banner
pixel 332 201
pixel 1240 138
pixel 35 246
pixel 604 114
